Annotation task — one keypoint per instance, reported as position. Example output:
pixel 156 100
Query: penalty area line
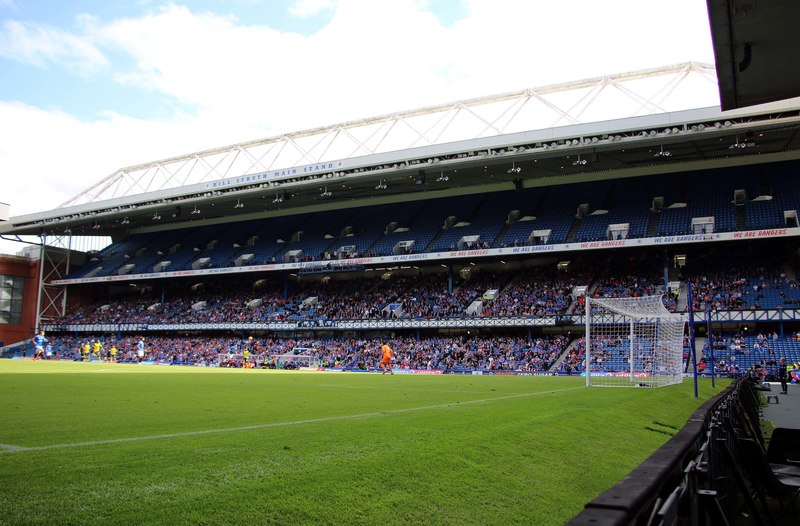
pixel 8 449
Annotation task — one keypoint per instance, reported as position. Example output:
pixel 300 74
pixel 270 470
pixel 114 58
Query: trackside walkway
pixel 785 413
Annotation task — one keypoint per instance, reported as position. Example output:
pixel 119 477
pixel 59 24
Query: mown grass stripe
pixel 21 449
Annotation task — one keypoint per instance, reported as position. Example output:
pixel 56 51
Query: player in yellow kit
pixel 97 350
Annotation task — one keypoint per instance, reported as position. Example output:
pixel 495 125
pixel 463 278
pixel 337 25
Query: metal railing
pixel 696 478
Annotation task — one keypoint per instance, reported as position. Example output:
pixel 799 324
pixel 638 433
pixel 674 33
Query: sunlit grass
pixel 86 444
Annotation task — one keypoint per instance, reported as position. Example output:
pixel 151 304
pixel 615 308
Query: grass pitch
pixel 127 444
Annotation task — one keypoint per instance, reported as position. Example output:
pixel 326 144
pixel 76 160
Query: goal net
pixel 633 342
pixel 301 358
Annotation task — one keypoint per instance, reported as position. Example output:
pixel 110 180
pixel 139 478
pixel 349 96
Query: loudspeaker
pixel 177 213
pixel 420 177
pixel 518 185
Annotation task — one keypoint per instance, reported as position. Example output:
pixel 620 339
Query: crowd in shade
pixel 633 277
pixel 502 353
pixel 429 300
pixel 623 287
pixel 532 297
pixel 719 291
pixel 363 299
pixel 530 292
pixel 736 283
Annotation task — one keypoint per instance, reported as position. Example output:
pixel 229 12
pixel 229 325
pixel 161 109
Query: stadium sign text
pixel 285 172
pixel 760 233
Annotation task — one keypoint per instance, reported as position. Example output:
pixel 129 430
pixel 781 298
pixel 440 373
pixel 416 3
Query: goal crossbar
pixel 632 342
pixel 305 360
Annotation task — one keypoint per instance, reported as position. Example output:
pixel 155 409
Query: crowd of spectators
pixel 559 354
pixel 763 284
pixel 501 353
pixel 719 291
pixel 362 299
pixel 608 354
pixel 740 351
pixel 532 295
pixel 524 292
pixel 421 296
pixel 628 286
pixel 429 299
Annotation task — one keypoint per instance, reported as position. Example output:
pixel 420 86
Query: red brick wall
pixel 29 269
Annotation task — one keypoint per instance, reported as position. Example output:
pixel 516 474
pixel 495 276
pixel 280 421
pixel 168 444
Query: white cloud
pixel 371 58
pixel 506 45
pixel 44 46
pixel 309 8
pixel 377 57
pixel 49 157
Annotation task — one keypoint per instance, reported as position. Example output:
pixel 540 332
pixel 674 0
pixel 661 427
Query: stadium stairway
pixel 557 363
pixel 502 233
pixel 652 224
pixel 572 305
pixel 682 301
pixel 741 218
pixel 576 225
pixel 589 291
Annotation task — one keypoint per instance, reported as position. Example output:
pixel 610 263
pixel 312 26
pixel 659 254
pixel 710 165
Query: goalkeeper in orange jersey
pixel 386 358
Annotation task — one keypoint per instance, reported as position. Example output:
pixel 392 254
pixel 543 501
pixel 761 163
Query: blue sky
pixel 32 79
pixel 33 82
pixel 87 87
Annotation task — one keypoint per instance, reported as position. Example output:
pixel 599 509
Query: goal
pixel 633 342
pixel 300 358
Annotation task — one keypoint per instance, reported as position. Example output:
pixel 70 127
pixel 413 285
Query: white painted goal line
pixel 9 448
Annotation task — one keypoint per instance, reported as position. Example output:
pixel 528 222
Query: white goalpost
pixel 301 357
pixel 633 342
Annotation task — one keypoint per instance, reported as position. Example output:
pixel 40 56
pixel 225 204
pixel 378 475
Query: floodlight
pixel 663 153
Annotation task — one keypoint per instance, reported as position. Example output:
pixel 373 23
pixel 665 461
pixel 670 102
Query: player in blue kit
pixel 140 350
pixel 38 342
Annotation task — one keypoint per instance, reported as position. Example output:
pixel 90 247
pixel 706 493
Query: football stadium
pixel 418 318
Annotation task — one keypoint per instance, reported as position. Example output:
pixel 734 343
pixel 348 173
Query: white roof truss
pixel 638 93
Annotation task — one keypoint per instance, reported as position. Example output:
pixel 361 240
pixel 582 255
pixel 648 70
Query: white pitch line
pixel 21 449
pixel 389 388
pixel 10 448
